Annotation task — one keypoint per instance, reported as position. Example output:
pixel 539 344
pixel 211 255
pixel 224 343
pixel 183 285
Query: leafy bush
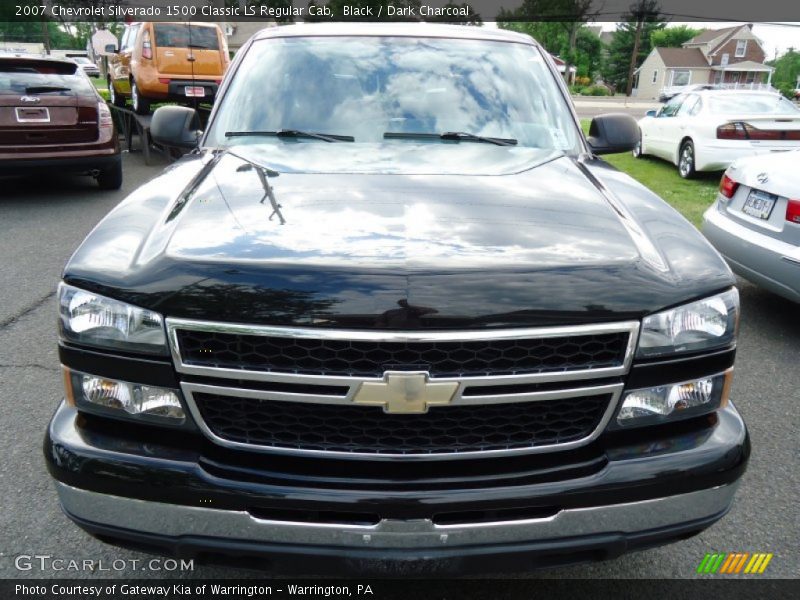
pixel 104 93
pixel 583 81
pixel 576 89
pixel 787 89
pixel 595 90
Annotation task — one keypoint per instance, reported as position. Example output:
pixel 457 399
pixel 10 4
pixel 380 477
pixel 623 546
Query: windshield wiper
pixel 43 89
pixel 292 133
pixel 457 136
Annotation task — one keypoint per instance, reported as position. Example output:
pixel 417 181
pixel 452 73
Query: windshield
pixel 751 104
pixel 389 90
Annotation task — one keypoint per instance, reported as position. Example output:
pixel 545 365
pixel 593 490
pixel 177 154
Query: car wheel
pixel 141 106
pixel 111 178
pixel 115 98
pixel 637 149
pixel 686 160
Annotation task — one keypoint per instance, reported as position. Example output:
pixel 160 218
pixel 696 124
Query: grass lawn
pixel 690 197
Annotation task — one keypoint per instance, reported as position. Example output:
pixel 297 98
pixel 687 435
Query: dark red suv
pixel 53 118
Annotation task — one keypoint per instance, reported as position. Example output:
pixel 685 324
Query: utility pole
pixel 635 53
pixel 45 36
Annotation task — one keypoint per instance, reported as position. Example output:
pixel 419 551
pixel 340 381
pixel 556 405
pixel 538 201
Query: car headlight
pixel 702 325
pixel 672 402
pixel 95 320
pixel 122 399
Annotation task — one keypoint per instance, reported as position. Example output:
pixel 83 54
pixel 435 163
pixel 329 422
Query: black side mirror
pixel 111 49
pixel 613 133
pixel 176 126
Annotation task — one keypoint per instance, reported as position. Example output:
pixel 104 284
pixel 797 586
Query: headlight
pixel 94 320
pixel 703 325
pixel 651 406
pixel 116 398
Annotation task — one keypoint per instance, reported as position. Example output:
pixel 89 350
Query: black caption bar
pixel 467 11
pixel 391 589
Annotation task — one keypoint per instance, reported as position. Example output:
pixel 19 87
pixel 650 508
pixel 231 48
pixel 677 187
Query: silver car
pixel 755 221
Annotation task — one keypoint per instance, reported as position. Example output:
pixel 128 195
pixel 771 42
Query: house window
pixel 681 78
pixel 718 77
pixel 655 75
pixel 725 58
pixel 741 48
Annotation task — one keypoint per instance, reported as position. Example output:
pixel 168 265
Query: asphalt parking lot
pixel 43 219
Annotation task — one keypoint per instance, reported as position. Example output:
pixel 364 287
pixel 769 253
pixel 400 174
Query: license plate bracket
pixel 192 91
pixel 759 204
pixel 32 114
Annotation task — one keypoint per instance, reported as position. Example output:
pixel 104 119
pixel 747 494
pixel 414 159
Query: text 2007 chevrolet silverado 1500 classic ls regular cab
pixel 396 309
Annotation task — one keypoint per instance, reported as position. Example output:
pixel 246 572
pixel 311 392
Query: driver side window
pixel 671 108
pixel 130 37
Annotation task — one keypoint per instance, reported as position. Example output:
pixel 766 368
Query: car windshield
pixel 82 61
pixel 36 77
pixel 390 90
pixel 751 104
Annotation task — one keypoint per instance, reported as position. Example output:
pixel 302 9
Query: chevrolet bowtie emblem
pixel 404 392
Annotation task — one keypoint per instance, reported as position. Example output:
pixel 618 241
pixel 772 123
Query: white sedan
pixel 755 221
pixel 707 130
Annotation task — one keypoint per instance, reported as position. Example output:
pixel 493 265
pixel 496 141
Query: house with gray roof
pixel 732 57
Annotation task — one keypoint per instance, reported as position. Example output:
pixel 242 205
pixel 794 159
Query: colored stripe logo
pixel 734 563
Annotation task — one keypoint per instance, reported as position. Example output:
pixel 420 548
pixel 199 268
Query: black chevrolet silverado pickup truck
pixel 394 309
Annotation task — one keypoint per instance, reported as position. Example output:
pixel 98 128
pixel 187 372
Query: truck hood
pixel 372 239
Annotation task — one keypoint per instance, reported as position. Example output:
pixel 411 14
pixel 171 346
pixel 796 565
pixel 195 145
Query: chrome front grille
pixel 369 430
pixel 283 389
pixel 365 358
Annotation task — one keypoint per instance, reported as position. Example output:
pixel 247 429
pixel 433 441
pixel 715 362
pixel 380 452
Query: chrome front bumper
pixel 176 520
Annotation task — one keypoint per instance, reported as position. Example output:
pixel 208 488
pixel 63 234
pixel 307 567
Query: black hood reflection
pixel 255 243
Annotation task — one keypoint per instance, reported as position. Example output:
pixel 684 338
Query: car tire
pixel 141 106
pixel 113 96
pixel 686 160
pixel 111 178
pixel 637 149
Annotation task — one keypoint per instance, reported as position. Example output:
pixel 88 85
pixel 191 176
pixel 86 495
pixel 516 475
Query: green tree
pixel 554 37
pixel 550 34
pixel 787 70
pixel 672 37
pixel 620 50
pixel 571 15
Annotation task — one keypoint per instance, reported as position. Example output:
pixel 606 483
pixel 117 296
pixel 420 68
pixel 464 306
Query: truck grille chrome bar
pixel 410 379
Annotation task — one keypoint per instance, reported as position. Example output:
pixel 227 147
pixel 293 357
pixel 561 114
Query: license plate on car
pixel 38 114
pixel 195 92
pixel 759 204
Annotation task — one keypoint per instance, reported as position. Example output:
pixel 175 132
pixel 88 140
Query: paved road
pixel 42 221
pixel 589 106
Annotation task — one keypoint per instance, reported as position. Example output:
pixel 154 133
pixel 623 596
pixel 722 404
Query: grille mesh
pixel 371 359
pixel 366 429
